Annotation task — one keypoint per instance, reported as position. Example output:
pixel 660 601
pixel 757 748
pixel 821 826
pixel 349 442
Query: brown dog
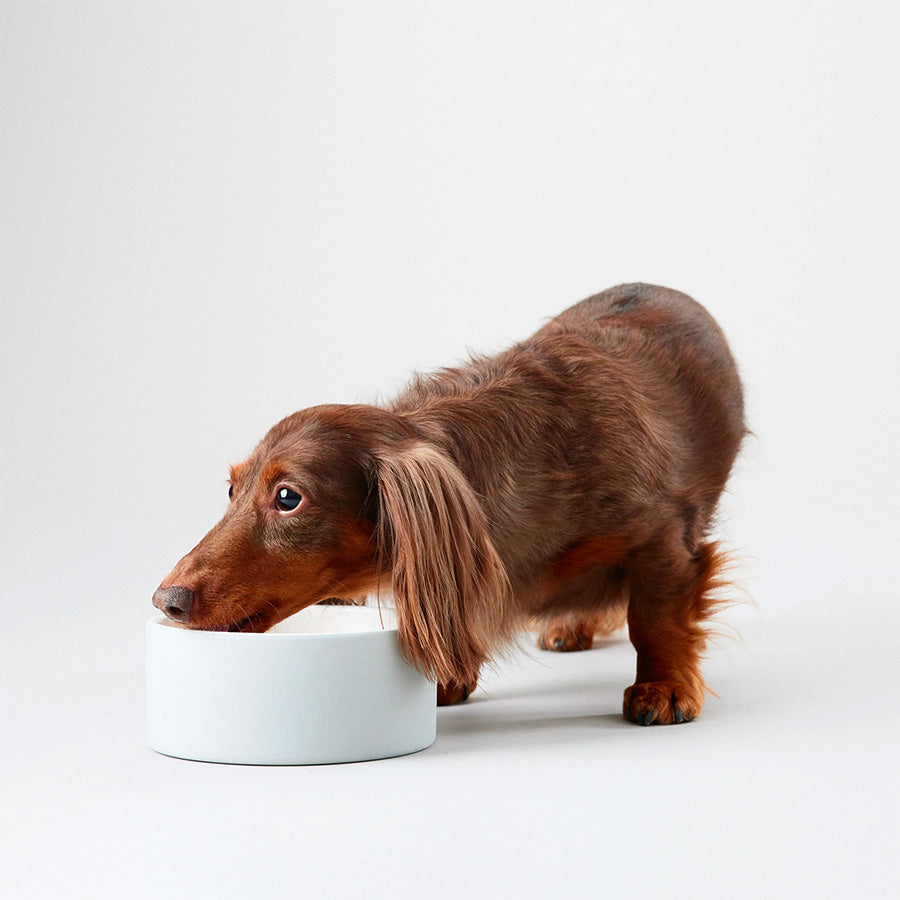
pixel 570 478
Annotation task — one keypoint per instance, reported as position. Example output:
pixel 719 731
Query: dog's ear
pixel 451 590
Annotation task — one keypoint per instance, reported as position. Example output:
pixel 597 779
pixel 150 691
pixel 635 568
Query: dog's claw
pixel 560 643
pixel 646 717
pixel 679 715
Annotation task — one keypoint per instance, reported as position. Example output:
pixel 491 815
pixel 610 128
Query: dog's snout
pixel 174 601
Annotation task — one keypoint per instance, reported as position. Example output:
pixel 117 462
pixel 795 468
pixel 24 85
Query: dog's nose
pixel 174 601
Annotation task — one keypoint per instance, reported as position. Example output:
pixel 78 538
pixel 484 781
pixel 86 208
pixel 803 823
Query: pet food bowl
pixel 327 685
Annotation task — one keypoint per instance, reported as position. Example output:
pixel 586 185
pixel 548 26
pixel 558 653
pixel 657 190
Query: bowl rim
pixel 160 621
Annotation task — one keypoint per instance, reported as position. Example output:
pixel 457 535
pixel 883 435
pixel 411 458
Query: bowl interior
pixel 322 620
pixel 337 620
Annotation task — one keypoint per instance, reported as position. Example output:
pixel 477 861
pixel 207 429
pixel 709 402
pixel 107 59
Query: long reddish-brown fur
pixel 572 479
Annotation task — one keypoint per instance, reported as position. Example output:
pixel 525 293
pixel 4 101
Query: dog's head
pixel 337 501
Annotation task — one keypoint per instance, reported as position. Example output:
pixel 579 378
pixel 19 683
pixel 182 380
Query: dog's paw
pixel 662 702
pixel 565 638
pixel 453 692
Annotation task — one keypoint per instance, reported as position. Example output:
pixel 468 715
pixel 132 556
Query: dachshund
pixel 571 479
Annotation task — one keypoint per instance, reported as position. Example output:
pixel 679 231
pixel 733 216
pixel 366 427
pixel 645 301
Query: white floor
pixel 216 214
pixel 785 787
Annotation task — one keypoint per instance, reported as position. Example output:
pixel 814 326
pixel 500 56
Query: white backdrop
pixel 216 214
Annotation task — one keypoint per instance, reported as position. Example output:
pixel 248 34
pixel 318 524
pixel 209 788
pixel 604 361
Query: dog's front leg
pixel 453 692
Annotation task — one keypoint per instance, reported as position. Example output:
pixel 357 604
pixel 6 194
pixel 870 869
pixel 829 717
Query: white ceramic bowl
pixel 326 685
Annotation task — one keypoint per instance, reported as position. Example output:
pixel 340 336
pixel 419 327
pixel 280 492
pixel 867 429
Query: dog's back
pixel 679 360
pixel 674 334
pixel 625 401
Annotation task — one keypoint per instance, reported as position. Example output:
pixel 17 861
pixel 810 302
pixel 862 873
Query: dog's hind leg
pixel 586 605
pixel 576 631
pixel 670 597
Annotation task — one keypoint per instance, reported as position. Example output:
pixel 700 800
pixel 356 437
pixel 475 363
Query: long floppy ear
pixel 451 590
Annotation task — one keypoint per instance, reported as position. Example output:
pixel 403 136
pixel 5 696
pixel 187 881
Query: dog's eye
pixel 286 499
pixel 231 492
